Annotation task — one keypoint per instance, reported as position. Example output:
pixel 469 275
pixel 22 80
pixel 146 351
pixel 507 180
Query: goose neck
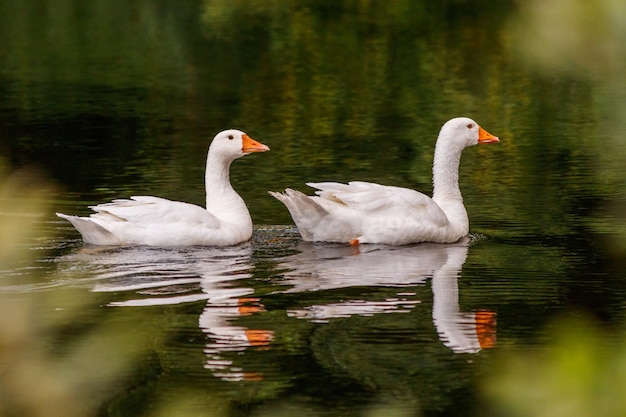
pixel 217 181
pixel 446 173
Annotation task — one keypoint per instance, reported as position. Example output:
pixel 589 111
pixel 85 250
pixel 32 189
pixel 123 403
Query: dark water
pixel 111 99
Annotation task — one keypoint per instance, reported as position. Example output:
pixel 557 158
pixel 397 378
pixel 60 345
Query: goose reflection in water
pixel 321 267
pixel 157 276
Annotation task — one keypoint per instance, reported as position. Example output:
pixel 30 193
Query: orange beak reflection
pixel 486 328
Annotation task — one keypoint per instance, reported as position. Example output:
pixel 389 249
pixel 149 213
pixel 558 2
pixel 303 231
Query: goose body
pixel 364 212
pixel 154 221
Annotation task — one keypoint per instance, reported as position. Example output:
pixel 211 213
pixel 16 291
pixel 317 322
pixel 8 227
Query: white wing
pixel 149 210
pixel 382 200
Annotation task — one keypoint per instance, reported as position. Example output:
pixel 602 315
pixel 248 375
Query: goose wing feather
pixel 382 200
pixel 148 210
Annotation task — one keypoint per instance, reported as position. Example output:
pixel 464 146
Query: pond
pixel 109 99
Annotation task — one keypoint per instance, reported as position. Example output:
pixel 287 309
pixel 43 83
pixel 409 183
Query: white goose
pixel 363 212
pixel 154 221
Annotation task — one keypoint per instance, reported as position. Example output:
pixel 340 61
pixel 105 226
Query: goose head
pixel 232 144
pixel 462 132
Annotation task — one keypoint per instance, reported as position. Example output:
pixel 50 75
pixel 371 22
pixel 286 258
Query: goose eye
pixel 470 125
pixel 231 137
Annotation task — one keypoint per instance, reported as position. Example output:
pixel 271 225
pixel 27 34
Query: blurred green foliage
pixel 580 373
pixel 581 369
pixel 55 360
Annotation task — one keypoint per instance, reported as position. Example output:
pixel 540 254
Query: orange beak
pixel 486 137
pixel 250 145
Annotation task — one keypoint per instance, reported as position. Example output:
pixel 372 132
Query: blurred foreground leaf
pixel 574 36
pixel 581 373
pixel 54 361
